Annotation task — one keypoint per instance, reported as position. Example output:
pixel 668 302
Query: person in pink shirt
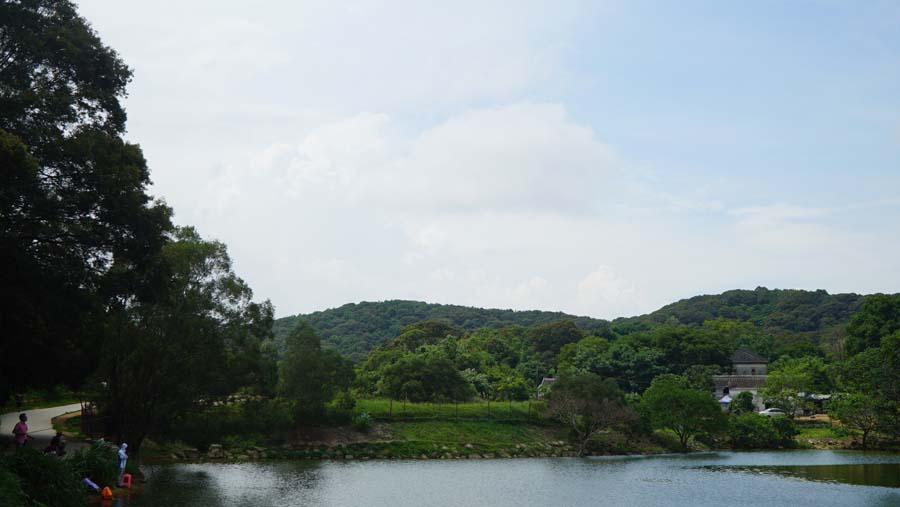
pixel 21 431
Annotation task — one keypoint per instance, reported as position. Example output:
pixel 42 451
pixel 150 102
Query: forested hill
pixel 356 328
pixel 773 310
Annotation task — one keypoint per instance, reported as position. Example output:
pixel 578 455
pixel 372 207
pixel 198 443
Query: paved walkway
pixel 39 425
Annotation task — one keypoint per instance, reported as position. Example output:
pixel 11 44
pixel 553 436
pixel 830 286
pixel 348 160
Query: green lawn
pixel 383 409
pixel 475 432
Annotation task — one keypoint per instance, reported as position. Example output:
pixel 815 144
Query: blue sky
pixel 600 158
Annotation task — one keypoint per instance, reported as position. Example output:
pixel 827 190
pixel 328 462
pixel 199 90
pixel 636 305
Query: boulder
pixel 215 452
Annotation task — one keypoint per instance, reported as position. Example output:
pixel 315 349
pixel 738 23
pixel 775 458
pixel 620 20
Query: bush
pixel 345 401
pixel 11 494
pixel 265 418
pixel 753 431
pixel 46 480
pixel 362 422
pixel 99 462
pixel 786 430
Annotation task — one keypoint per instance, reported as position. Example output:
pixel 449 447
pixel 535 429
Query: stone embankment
pixel 377 450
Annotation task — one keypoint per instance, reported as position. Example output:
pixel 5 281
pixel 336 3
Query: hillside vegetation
pixel 797 318
pixel 356 328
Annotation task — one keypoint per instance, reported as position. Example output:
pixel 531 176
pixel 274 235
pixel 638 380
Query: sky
pixel 600 158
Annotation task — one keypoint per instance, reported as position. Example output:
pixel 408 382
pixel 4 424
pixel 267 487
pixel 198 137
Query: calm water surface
pixel 799 478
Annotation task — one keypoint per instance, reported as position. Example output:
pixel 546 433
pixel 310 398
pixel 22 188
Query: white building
pixel 749 374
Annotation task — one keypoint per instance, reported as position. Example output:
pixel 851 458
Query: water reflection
pixel 870 474
pixel 674 480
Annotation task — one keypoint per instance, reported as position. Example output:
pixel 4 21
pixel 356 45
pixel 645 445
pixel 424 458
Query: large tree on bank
pixel 78 228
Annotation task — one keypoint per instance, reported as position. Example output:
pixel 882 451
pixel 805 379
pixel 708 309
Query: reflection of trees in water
pixel 238 485
pixel 177 486
pixel 869 474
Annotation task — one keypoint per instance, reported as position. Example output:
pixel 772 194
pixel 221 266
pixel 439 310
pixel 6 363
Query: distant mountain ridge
pixel 356 328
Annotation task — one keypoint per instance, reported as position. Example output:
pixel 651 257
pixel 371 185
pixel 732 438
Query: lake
pixel 795 478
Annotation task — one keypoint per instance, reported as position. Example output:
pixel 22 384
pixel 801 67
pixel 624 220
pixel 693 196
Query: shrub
pixel 786 430
pixel 753 431
pixel 46 480
pixel 362 421
pixel 11 494
pixel 345 401
pixel 99 462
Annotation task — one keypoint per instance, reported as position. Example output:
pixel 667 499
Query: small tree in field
pixel 587 404
pixel 856 411
pixel 670 404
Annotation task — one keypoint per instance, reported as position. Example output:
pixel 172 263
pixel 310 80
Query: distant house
pixel 544 387
pixel 749 374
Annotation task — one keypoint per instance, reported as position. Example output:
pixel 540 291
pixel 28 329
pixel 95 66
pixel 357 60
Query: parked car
pixel 772 412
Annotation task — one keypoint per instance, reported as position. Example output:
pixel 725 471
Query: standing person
pixel 21 431
pixel 123 459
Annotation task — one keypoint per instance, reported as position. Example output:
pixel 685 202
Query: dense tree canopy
pixel 77 226
pixel 878 317
pixel 164 356
pixel 311 376
pixel 670 403
pixel 586 404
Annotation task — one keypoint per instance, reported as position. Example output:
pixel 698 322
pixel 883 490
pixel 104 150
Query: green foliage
pixel 99 462
pixel 46 480
pixel 473 432
pixel 77 225
pixel 344 401
pixel 355 329
pixel 632 366
pixel 878 317
pixel 11 494
pixel 310 376
pixel 586 404
pixel 858 411
pixel 742 403
pixel 548 339
pixel 753 431
pixel 683 346
pixel 700 376
pixel 669 403
pixel 383 409
pixel 162 355
pixel 269 420
pixel 419 334
pixel 424 378
pixel 808 374
pixel 585 356
pixel 363 421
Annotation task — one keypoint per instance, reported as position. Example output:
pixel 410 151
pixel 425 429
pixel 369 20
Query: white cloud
pixel 457 152
pixel 603 292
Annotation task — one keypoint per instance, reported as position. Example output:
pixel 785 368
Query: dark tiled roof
pixel 744 355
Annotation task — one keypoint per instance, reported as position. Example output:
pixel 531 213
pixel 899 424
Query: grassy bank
pixel 386 410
